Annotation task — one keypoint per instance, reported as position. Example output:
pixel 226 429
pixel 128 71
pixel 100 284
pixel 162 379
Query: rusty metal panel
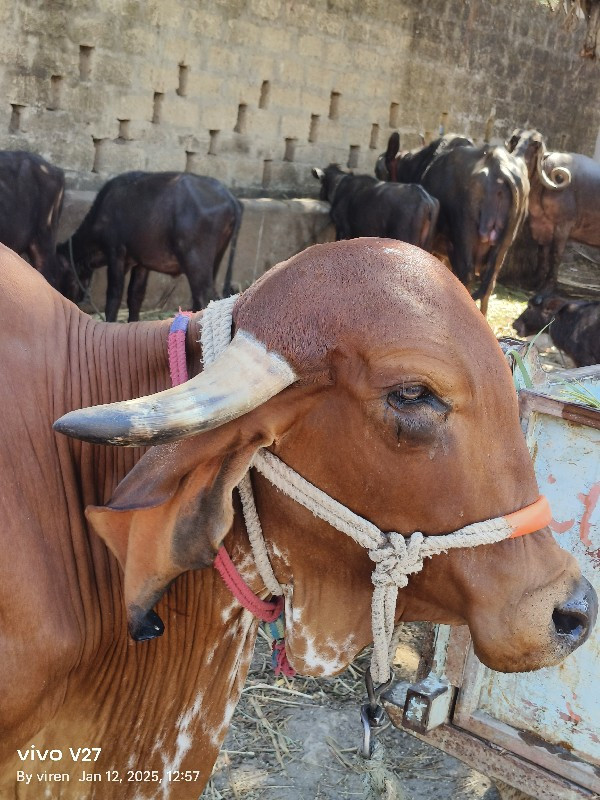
pixel 547 722
pixel 561 705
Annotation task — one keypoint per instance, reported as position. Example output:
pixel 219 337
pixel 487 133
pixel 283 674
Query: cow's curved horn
pixel 558 178
pixel 243 377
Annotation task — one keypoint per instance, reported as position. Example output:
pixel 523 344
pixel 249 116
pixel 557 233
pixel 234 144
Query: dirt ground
pixel 296 739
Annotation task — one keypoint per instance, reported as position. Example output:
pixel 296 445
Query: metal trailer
pixel 538 732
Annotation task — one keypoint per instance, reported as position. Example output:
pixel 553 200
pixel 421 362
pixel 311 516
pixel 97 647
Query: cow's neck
pixel 177 693
pixel 126 360
pixel 170 699
pixel 113 362
pixel 335 181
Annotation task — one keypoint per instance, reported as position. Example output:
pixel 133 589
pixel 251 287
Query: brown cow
pixel 401 390
pixel 564 201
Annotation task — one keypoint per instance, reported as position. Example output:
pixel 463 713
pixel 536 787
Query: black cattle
pixel 363 206
pixel 574 328
pixel 170 222
pixel 408 166
pixel 483 195
pixel 31 197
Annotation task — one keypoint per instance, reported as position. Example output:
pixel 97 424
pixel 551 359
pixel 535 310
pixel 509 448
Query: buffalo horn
pixel 243 377
pixel 560 174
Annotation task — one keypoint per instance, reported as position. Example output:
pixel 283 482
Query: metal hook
pixel 375 692
pixel 372 715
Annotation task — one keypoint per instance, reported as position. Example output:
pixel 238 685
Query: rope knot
pixel 396 559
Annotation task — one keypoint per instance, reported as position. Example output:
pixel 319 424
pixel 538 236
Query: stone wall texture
pixel 255 92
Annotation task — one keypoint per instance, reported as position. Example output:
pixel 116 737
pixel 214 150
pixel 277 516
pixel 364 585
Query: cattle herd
pixel 110 532
pixel 124 482
pixel 462 202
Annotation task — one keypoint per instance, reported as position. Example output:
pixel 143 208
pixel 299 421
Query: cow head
pixel 401 406
pixel 541 310
pixel 74 270
pixel 499 194
pixel 531 147
pixel 330 178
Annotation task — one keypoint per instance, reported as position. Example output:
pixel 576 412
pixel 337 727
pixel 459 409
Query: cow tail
pixel 236 229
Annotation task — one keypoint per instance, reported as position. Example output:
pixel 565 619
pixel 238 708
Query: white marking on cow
pixel 246 565
pixel 191 724
pixel 315 659
pixel 229 611
pixel 324 658
pixel 217 735
pixel 183 744
pixel 279 552
pixel 210 653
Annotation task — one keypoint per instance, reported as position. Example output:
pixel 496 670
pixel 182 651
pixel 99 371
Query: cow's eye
pixel 418 413
pixel 410 393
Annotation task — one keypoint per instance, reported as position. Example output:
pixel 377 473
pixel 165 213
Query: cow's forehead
pixel 370 293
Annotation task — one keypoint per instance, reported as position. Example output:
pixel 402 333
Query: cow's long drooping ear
pixel 171 513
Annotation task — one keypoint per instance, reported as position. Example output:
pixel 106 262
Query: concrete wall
pixel 271 231
pixel 255 92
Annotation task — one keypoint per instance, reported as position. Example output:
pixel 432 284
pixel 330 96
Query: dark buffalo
pixel 483 201
pixel 564 200
pixel 171 222
pixel 363 206
pixel 31 198
pixel 574 328
pixel 408 166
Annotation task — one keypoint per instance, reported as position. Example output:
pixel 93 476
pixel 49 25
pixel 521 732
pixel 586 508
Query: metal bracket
pixel 427 704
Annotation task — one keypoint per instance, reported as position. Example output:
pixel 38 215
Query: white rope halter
pixel 395 556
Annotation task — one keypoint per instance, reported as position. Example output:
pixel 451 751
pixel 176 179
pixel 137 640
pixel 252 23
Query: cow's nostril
pixel 570 623
pixel 576 616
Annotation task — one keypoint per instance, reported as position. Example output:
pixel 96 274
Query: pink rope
pixel 176 348
pixel 265 610
pixel 281 663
